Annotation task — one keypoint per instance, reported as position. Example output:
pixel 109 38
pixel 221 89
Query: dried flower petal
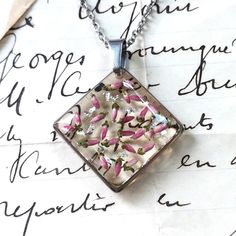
pixel 117 167
pixel 135 98
pixel 126 97
pixel 147 147
pixel 98 117
pixel 159 128
pixel 117 84
pixel 92 142
pixel 143 112
pixel 103 162
pixel 69 128
pixel 152 108
pixel 77 119
pixel 95 102
pixel 126 119
pixel 113 141
pixel 104 130
pixel 132 161
pixel 126 132
pixel 140 132
pixel 115 108
pixel 129 148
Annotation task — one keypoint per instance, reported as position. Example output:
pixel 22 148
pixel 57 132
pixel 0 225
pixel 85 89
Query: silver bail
pixel 118 50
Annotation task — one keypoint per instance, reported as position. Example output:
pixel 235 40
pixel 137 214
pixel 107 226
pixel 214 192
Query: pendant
pixel 119 127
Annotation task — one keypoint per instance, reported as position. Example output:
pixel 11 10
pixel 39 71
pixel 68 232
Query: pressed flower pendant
pixel 118 128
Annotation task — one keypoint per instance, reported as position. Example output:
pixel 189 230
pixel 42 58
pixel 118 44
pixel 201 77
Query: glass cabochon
pixel 118 128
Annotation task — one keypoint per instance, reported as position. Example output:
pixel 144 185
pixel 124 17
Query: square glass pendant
pixel 118 128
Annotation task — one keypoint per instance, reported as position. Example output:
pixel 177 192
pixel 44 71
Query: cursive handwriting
pixel 19 168
pixel 28 22
pixel 11 137
pixel 134 12
pixel 234 233
pixel 170 204
pixel 197 84
pixel 59 63
pixel 88 204
pixel 153 85
pixel 233 162
pixel 202 123
pixel 22 169
pixel 185 162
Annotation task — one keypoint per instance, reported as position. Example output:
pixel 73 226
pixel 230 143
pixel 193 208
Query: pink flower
pixel 147 147
pixel 140 132
pixel 132 161
pixel 132 97
pixel 98 117
pixel 128 148
pixel 151 133
pixel 126 132
pixel 117 84
pixel 103 162
pixel 126 119
pixel 115 108
pixel 77 119
pixel 159 128
pixel 92 142
pixel 152 108
pixel 135 98
pixel 69 128
pixel 143 112
pixel 95 102
pixel 126 98
pixel 85 143
pixel 113 141
pixel 104 130
pixel 117 167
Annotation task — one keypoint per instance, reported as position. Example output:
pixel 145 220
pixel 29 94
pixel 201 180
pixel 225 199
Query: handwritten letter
pixel 185 57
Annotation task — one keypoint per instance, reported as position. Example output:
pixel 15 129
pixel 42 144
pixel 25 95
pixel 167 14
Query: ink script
pixel 185 56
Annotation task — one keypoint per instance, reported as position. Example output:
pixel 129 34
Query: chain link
pixel 99 30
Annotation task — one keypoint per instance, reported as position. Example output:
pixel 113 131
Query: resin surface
pixel 118 128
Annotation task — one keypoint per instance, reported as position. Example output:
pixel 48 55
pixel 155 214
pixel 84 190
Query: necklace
pixel 119 127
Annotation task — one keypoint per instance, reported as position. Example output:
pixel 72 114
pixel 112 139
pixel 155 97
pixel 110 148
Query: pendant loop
pixel 118 50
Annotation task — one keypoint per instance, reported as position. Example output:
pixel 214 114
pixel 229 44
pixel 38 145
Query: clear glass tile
pixel 118 128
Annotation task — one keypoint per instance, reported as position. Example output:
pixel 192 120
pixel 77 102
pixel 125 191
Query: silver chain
pixel 100 31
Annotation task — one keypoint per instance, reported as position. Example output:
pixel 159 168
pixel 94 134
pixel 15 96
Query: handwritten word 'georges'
pixel 19 166
pixel 197 84
pixel 58 62
pixel 88 204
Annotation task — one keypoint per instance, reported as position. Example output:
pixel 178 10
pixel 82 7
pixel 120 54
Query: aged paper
pixel 10 12
pixel 186 57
